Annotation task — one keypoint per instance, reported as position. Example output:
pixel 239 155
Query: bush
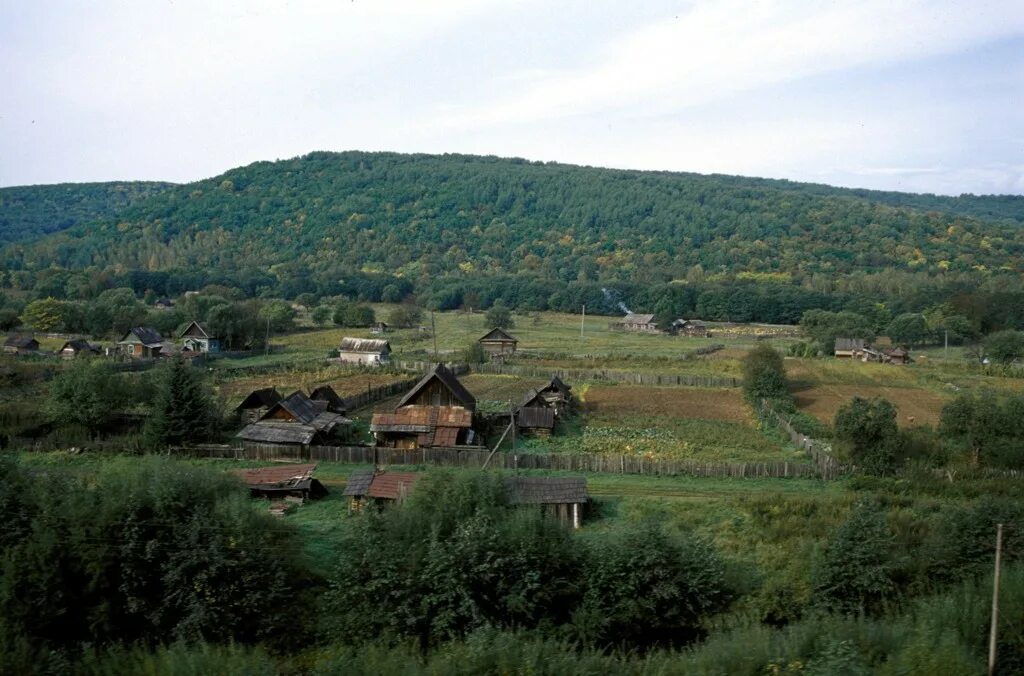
pixel 866 430
pixel 764 376
pixel 854 575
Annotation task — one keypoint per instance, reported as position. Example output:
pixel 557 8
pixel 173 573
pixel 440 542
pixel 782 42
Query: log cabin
pixel 437 411
pixel 499 344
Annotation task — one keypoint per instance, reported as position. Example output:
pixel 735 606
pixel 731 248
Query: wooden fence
pixel 577 375
pixel 474 458
pixel 819 452
pixel 375 394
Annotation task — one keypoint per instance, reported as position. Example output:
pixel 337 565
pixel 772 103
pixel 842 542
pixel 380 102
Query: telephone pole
pixel 433 332
pixel 995 604
pixel 583 318
pixel 945 348
pixel 266 346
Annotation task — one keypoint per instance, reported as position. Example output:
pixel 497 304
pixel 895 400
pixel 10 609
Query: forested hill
pixel 28 212
pixel 326 215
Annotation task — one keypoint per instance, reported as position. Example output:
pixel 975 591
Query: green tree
pixel 406 316
pixel 823 327
pixel 475 353
pixel 764 376
pixel 45 314
pixel 87 394
pixel 855 573
pixel 280 314
pixel 321 315
pixel 8 319
pixel 182 409
pixel 867 430
pixel 347 313
pixel 908 329
pixel 391 294
pixel 975 421
pixel 499 316
pixel 1005 347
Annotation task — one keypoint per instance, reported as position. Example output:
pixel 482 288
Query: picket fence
pixel 472 457
pixel 827 465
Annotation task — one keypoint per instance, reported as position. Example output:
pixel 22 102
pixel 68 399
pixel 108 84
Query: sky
pixel 917 95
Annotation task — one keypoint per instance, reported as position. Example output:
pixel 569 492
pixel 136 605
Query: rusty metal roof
pixel 276 475
pixel 418 418
pixel 386 485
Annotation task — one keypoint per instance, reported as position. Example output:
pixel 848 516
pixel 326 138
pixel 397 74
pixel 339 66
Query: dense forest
pixel 458 229
pixel 29 212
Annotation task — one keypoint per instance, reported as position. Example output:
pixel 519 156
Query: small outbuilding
pixel 163 303
pixel 21 345
pixel 849 348
pixel 281 481
pixel 196 338
pixel 499 344
pixel 690 327
pixel 564 498
pixel 296 420
pixel 254 406
pixel 365 351
pixel 636 323
pixel 142 342
pixel 326 394
pixel 79 348
pixel 369 487
pixel 378 328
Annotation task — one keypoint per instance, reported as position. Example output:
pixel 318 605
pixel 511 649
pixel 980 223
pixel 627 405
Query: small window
pixel 131 349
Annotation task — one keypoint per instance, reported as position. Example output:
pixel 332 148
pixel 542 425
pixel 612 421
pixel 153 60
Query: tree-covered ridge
pixel 28 212
pixel 421 216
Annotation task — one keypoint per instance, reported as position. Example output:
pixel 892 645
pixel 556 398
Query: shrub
pixel 854 575
pixel 866 429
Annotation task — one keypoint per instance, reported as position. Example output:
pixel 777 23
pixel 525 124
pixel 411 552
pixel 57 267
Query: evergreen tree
pixel 182 411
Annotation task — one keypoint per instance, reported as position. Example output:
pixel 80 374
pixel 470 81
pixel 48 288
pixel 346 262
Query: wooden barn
pixel 369 487
pixel 280 481
pixel 364 351
pixel 690 327
pixel 79 348
pixel 564 498
pixel 254 406
pixel 499 344
pixel 437 411
pixel 196 338
pixel 142 342
pixel 636 323
pixel 21 345
pixel 326 393
pixel 849 348
pixel 296 420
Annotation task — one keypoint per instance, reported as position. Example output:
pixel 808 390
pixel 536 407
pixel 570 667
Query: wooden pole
pixel 433 332
pixel 995 604
pixel 583 318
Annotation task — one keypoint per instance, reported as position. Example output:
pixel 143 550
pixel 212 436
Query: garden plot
pixel 915 406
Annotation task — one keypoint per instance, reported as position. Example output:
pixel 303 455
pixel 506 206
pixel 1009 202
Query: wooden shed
pixel 690 327
pixel 257 403
pixel 849 348
pixel 79 348
pixel 326 393
pixel 364 351
pixel 437 411
pixel 564 498
pixel 296 420
pixel 279 481
pixel 499 344
pixel 21 345
pixel 366 486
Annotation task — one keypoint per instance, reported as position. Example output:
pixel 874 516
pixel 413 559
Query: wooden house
pixel 849 348
pixel 196 338
pixel 564 498
pixel 498 343
pixel 21 345
pixel 142 343
pixel 296 420
pixel 378 328
pixel 369 487
pixel 280 481
pixel 690 327
pixel 635 322
pixel 365 351
pixel 163 304
pixel 79 348
pixel 326 393
pixel 254 406
pixel 437 411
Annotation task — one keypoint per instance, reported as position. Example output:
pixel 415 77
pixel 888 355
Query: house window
pixel 131 349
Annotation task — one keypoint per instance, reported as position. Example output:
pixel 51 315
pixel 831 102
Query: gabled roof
pixel 498 335
pixel 387 485
pixel 188 327
pixel 298 405
pixel 23 342
pixel 276 476
pixel 80 345
pixel 327 394
pixel 266 397
pixel 147 336
pixel 166 302
pixel 370 345
pixel 556 384
pixel 546 490
pixel 446 378
pixel 849 343
pixel 278 433
pixel 633 318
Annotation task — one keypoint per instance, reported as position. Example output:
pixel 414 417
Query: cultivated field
pixel 917 406
pixel 627 401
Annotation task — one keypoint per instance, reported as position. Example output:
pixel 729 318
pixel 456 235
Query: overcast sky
pixel 919 96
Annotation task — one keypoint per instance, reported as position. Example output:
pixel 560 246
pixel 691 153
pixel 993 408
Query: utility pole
pixel 433 332
pixel 995 604
pixel 945 348
pixel 583 318
pixel 266 345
